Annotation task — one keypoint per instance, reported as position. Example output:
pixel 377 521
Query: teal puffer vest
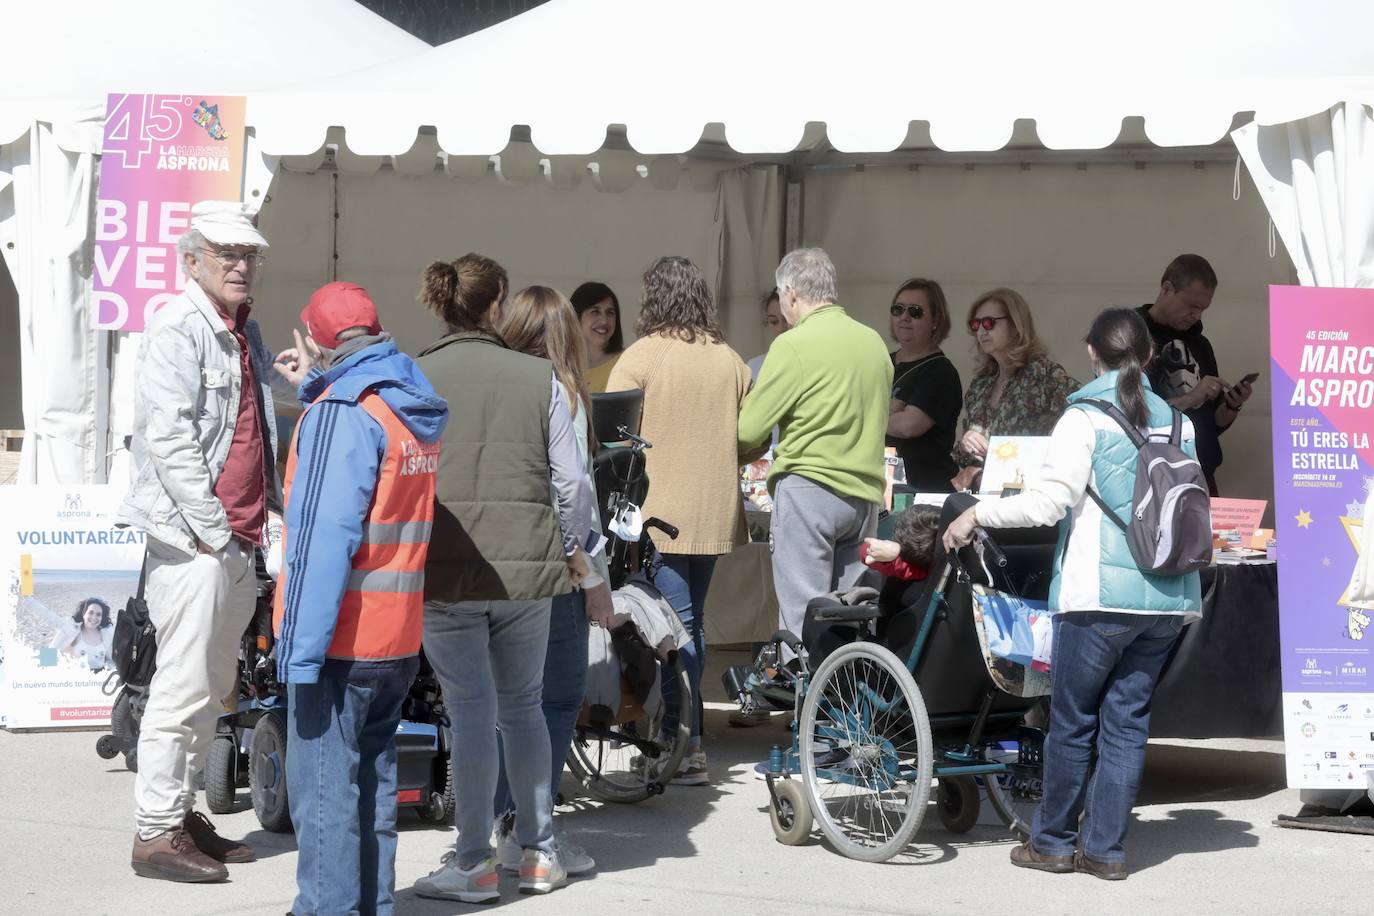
pixel 1093 567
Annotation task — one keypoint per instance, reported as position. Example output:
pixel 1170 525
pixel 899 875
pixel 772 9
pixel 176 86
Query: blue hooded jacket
pixel 339 449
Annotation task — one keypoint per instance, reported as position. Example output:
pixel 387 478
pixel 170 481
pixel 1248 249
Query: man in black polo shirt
pixel 1184 369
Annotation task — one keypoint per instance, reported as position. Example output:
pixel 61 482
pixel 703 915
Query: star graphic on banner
pixel 1326 561
pixel 1354 509
pixel 1303 518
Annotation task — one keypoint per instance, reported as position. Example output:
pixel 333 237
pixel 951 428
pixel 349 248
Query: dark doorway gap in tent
pixel 438 21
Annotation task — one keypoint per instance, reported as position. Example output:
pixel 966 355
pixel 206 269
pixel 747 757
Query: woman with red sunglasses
pixel 1017 389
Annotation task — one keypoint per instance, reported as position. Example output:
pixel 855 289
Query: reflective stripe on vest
pixel 382 609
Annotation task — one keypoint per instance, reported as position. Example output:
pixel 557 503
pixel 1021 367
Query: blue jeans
pixel 684 580
pixel 489 658
pixel 341 783
pixel 1104 670
pixel 565 683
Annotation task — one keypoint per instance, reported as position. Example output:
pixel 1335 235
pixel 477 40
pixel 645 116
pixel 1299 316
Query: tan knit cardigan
pixel 692 394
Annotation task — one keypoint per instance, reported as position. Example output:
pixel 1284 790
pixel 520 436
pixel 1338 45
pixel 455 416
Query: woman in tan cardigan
pixel 693 384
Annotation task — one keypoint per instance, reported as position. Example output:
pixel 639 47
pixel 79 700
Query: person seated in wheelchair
pixel 912 551
pixel 893 565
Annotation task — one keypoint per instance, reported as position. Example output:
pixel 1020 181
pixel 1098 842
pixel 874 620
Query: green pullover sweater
pixel 826 384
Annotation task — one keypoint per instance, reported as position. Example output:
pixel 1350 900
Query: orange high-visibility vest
pixel 381 615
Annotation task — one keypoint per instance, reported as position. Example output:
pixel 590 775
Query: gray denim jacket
pixel 186 402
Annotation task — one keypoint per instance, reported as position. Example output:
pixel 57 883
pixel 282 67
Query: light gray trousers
pixel 814 538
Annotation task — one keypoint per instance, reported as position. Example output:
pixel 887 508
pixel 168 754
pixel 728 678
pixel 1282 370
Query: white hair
pixel 191 242
pixel 809 273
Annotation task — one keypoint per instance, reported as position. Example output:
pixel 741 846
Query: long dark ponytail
pixel 1122 343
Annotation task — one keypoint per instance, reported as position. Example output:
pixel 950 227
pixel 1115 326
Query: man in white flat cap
pixel 204 479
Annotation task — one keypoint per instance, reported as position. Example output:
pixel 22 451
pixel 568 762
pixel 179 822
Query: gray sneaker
pixel 541 872
pixel 575 859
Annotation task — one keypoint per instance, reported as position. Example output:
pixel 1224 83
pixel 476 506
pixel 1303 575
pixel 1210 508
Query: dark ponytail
pixel 462 292
pixel 1122 343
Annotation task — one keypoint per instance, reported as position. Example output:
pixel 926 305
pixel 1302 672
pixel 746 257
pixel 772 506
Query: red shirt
pixel 896 569
pixel 242 485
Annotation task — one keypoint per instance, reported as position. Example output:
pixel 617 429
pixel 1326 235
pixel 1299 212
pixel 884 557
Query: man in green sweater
pixel 825 384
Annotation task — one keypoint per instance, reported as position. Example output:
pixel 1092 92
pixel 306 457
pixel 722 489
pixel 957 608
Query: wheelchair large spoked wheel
pixel 634 760
pixel 866 752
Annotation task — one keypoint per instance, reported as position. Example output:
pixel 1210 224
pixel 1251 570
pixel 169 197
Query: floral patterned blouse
pixel 1031 403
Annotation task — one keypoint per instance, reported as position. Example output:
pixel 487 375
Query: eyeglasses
pixel 915 311
pixel 229 258
pixel 986 323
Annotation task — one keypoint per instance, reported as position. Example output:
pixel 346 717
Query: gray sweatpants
pixel 815 538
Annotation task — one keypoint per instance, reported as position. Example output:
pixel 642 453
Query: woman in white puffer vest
pixel 1113 624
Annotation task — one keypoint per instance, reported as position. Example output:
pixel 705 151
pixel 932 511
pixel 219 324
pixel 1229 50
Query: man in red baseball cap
pixel 349 611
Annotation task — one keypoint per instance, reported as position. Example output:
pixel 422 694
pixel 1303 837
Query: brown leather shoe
pixel 1107 871
pixel 1026 856
pixel 212 844
pixel 172 856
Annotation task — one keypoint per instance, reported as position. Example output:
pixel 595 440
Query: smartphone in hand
pixel 1250 379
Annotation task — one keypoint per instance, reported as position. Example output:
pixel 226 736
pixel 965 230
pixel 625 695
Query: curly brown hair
pixel 676 302
pixel 462 292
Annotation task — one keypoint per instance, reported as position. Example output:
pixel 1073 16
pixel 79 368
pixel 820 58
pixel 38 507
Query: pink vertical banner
pixel 162 153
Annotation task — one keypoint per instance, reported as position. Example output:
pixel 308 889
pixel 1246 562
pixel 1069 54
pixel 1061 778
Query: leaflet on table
pixel 1013 463
pixel 69 573
pixel 1322 376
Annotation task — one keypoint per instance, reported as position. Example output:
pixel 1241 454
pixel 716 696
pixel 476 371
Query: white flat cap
pixel 227 222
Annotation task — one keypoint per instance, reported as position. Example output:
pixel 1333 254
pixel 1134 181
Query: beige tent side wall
pixel 1072 241
pixel 390 226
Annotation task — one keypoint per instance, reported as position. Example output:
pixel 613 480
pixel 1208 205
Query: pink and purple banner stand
pixel 162 153
pixel 1322 370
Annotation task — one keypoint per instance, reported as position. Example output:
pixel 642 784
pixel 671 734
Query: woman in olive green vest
pixel 504 544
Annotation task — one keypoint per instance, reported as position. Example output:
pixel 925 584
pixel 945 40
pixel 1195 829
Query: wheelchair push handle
pixel 990 548
pixel 661 525
pixel 637 441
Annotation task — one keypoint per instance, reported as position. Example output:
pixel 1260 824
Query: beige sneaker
pixel 692 771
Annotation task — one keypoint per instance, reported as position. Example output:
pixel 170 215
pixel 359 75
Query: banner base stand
pixel 1310 818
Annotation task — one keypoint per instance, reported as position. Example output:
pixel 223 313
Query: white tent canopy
pixel 765 69
pixel 62 59
pixel 59 62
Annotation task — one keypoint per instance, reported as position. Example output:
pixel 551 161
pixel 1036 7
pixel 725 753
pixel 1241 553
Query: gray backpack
pixel 1170 529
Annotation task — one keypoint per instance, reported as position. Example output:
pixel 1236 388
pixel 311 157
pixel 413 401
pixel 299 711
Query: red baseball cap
pixel 336 307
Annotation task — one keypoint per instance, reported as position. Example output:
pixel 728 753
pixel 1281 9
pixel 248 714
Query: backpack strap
pixel 142 575
pixel 1127 427
pixel 1136 438
pixel 1176 434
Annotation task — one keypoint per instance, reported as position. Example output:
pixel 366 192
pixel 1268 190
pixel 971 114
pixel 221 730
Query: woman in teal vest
pixel 1113 624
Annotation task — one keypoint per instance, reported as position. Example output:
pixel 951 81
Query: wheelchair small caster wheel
pixel 655 788
pixel 790 813
pixel 106 747
pixel 958 803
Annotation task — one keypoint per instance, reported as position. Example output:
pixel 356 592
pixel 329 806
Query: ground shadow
pixel 1187 831
pixel 1177 774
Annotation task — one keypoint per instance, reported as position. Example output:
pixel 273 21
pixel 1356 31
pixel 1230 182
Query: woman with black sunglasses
pixel 1017 389
pixel 926 393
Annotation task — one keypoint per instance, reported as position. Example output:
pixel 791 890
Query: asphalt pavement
pixel 1202 842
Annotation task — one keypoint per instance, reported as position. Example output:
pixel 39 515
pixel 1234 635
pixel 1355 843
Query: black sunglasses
pixel 987 323
pixel 915 311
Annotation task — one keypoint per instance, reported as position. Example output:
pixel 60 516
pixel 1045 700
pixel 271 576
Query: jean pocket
pixel 1111 629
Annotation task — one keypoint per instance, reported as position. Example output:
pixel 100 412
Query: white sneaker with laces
pixel 541 872
pixel 450 881
pixel 575 859
pixel 692 771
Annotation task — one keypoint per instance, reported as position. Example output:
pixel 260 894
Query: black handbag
pixel 135 638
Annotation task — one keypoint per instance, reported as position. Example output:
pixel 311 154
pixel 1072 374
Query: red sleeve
pixel 897 569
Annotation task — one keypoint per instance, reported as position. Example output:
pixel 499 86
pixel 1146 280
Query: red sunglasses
pixel 987 323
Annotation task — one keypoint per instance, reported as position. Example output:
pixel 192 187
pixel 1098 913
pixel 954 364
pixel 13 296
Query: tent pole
pixel 792 203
